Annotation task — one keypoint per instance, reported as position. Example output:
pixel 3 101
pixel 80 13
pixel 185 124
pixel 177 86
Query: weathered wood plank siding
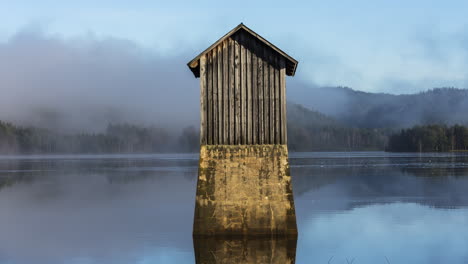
pixel 277 103
pixel 225 73
pixel 261 97
pixel 232 120
pixel 243 94
pixel 243 100
pixel 266 97
pixel 254 94
pixel 237 87
pixel 220 96
pixel 209 83
pixel 271 88
pixel 203 101
pixel 248 87
pixel 215 97
pixel 284 137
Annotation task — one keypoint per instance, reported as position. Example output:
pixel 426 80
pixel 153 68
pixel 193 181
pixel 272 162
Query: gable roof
pixel 291 63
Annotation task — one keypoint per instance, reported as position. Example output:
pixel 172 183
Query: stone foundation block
pixel 244 190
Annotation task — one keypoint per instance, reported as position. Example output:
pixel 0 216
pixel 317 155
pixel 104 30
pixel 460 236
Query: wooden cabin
pixel 243 90
pixel 244 185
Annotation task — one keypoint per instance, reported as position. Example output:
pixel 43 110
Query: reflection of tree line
pixel 363 185
pixel 407 179
pixel 116 171
pixel 8 181
pixel 213 250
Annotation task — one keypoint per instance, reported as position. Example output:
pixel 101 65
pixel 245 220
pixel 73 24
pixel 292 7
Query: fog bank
pixel 84 83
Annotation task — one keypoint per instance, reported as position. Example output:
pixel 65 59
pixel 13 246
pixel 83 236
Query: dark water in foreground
pixel 362 207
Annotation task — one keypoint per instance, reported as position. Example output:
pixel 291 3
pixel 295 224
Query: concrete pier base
pixel 244 190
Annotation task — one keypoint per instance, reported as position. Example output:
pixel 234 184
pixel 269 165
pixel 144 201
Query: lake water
pixel 358 207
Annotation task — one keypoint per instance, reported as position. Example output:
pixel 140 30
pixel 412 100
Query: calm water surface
pixel 358 207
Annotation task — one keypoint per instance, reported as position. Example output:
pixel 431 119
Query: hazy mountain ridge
pixel 298 113
pixel 380 110
pixel 309 130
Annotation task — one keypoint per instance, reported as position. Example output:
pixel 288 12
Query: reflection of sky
pixel 404 233
pixel 140 211
pixel 166 255
pixel 96 215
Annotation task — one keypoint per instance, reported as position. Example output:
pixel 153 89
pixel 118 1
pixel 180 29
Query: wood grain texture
pixel 243 91
pixel 271 87
pixel 215 97
pixel 225 93
pixel 203 102
pixel 282 79
pixel 220 95
pixel 277 103
pixel 237 85
pixel 254 68
pixel 266 97
pixel 232 96
pixel 261 97
pixel 248 85
pixel 209 91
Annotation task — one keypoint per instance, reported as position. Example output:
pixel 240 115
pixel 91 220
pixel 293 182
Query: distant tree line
pixel 336 138
pixel 117 138
pixel 430 138
pixel 126 138
pixel 307 131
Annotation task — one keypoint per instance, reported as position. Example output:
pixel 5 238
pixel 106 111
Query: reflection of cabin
pixel 244 186
pixel 273 250
pixel 243 90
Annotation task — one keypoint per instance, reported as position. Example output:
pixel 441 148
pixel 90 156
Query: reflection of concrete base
pixel 253 251
pixel 244 190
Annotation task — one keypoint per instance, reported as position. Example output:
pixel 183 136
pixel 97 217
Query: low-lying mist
pixel 83 84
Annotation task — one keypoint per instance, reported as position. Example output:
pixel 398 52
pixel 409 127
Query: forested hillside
pixel 312 131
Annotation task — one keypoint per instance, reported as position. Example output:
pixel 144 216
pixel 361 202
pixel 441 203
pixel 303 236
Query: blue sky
pixel 390 46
